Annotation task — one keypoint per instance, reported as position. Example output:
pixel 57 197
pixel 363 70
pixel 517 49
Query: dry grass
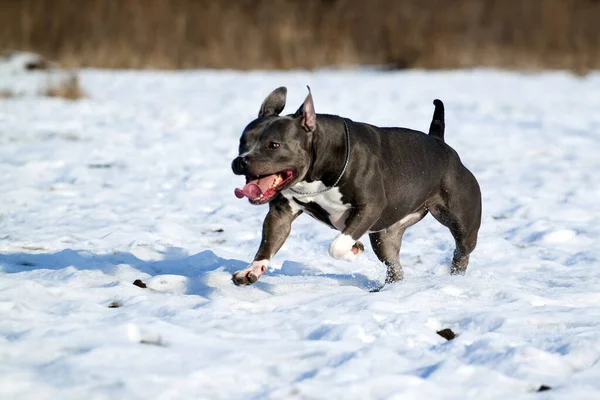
pixel 68 89
pixel 247 34
pixel 8 94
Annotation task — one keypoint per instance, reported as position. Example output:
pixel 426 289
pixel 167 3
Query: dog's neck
pixel 329 150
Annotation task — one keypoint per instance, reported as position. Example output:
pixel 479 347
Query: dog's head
pixel 275 151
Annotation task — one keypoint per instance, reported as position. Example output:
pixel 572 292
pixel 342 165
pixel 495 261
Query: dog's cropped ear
pixel 274 103
pixel 307 112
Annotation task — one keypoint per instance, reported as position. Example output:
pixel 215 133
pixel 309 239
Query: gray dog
pixel 356 178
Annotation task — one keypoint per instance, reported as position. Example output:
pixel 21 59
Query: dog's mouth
pixel 262 189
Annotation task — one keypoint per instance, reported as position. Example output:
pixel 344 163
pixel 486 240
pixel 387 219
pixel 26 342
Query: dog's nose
pixel 239 165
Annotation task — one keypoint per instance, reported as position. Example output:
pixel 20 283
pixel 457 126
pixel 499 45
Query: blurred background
pixel 289 34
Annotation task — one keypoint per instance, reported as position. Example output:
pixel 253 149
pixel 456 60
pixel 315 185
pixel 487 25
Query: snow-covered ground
pixel 135 183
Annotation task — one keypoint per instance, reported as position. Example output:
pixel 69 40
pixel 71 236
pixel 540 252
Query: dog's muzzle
pixel 239 165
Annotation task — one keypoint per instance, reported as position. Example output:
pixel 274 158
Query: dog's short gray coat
pixel 393 178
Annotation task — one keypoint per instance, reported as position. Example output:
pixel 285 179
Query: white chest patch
pixel 330 201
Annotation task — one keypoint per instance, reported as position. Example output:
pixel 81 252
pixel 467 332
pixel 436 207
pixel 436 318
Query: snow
pixel 17 62
pixel 135 183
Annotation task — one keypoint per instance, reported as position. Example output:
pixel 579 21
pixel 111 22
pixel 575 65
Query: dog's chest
pixel 326 207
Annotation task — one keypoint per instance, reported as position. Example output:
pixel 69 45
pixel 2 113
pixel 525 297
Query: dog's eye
pixel 274 145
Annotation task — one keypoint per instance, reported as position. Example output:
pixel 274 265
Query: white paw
pixel 251 274
pixel 342 248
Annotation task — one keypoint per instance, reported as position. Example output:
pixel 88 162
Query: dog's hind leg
pixel 387 243
pixel 460 211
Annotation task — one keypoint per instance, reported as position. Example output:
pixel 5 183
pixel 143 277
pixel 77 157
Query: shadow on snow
pixel 176 262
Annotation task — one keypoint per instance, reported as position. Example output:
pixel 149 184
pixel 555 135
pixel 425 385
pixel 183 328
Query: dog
pixel 356 178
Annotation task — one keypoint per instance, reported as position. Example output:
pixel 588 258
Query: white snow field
pixel 135 183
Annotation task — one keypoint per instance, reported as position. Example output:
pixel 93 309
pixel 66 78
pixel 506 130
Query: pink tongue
pixel 251 190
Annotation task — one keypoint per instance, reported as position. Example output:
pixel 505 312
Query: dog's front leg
pixel 346 246
pixel 276 228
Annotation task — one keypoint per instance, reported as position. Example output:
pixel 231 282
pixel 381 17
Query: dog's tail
pixel 437 127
